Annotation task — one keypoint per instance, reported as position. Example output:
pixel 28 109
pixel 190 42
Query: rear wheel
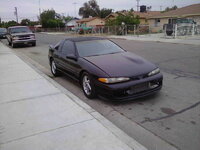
pixel 54 69
pixel 88 86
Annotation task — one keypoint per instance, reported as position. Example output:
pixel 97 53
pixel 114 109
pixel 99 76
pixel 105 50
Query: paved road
pixel 170 118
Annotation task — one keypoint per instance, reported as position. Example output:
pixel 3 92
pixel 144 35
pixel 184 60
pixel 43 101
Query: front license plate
pixel 25 42
pixel 140 87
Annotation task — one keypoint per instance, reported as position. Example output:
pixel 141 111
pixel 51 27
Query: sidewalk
pixel 35 114
pixel 194 40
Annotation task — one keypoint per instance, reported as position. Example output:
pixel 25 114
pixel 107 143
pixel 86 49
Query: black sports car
pixel 102 67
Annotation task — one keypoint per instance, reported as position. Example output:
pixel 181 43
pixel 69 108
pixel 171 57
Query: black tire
pixel 169 33
pixel 88 90
pixel 13 45
pixel 34 44
pixel 54 69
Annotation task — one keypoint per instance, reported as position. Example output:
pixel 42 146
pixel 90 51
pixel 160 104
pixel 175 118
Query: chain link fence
pixel 182 29
pixel 187 29
pixel 168 30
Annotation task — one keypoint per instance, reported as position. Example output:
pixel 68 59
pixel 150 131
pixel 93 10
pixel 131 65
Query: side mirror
pixel 51 47
pixel 71 56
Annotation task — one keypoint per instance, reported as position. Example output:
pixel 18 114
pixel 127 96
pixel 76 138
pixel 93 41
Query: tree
pixel 91 8
pixel 25 22
pixel 131 10
pixel 50 19
pixel 169 9
pixel 8 24
pixel 46 16
pixel 32 23
pixel 104 12
pixel 128 19
pixel 68 18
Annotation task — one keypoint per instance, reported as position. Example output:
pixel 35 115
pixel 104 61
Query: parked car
pixel 20 35
pixel 3 32
pixel 104 68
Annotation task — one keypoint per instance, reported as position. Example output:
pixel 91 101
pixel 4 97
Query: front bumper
pixel 24 41
pixel 121 91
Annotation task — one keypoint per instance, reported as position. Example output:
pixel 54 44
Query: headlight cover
pixel 32 36
pixel 154 72
pixel 113 80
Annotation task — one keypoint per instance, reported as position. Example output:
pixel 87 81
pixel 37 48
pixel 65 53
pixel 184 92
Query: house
pixel 189 12
pixel 113 15
pixel 143 16
pixel 91 22
pixel 71 24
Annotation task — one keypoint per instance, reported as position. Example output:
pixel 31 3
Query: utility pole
pixel 160 8
pixel 39 8
pixel 138 5
pixel 16 14
pixel 39 13
pixel 75 9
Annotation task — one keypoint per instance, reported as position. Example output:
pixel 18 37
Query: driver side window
pixel 68 48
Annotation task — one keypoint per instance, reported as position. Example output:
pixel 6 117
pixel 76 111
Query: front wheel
pixel 13 45
pixel 34 44
pixel 54 69
pixel 88 86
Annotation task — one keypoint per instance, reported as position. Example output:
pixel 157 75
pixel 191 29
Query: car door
pixel 56 53
pixel 71 66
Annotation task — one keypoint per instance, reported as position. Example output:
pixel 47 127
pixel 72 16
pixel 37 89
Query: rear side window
pixel 68 48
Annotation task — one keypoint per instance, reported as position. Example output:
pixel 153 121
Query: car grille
pixel 138 88
pixel 24 37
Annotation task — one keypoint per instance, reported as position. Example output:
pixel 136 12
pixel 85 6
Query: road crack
pixel 170 115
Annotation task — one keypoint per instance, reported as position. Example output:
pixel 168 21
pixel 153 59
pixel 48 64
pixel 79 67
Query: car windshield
pixel 97 47
pixel 3 30
pixel 20 30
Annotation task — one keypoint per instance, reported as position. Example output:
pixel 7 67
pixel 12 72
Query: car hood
pixel 123 64
pixel 19 34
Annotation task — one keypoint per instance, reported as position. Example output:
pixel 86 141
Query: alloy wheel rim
pixel 53 67
pixel 86 85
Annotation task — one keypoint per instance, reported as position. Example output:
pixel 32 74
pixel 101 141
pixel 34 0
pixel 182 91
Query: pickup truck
pixel 83 29
pixel 20 35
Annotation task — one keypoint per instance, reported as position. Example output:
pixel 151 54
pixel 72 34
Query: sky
pixel 30 8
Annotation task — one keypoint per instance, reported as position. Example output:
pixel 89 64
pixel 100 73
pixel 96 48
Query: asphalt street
pixel 171 117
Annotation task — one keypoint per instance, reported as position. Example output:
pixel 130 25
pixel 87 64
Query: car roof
pixel 80 39
pixel 17 27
